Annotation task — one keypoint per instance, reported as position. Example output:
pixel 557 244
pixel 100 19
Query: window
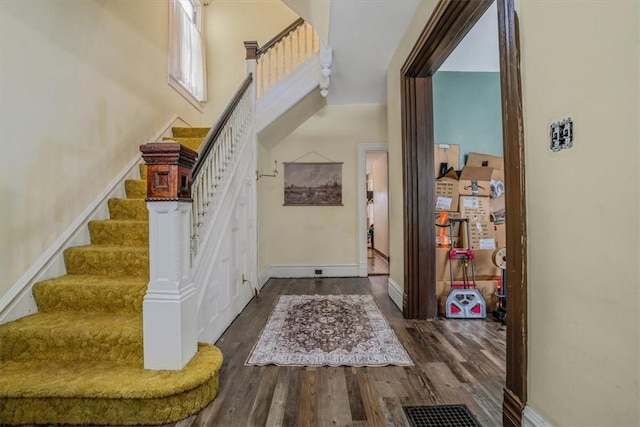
pixel 187 72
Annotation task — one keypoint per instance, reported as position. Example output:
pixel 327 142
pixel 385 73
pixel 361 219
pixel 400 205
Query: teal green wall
pixel 467 111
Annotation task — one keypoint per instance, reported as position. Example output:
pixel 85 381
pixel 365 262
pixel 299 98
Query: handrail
pixel 282 34
pixel 282 55
pixel 216 130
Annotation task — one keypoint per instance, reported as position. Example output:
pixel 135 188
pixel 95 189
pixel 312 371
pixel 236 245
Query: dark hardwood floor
pixel 456 361
pixel 377 265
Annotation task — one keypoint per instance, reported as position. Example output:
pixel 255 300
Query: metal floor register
pixel 440 416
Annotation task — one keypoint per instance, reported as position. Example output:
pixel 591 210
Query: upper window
pixel 187 72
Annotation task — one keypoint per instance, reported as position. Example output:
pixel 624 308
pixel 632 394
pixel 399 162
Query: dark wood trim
pixel 512 408
pixel 252 49
pixel 168 171
pixel 447 26
pixel 216 130
pixel 515 395
pixel 419 234
pixel 282 34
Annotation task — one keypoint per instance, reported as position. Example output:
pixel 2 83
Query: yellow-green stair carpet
pixel 79 360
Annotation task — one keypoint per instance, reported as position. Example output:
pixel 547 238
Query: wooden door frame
pixel 447 26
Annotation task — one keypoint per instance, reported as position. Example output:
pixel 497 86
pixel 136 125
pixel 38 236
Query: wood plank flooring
pixel 456 361
pixel 376 264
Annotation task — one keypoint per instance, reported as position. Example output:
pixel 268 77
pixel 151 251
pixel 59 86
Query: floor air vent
pixel 440 416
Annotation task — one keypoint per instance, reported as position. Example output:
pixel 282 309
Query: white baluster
pixel 298 47
pixel 284 57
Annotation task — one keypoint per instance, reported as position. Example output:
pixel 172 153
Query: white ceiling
pixel 364 35
pixel 478 51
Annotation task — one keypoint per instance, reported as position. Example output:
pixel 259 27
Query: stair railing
pixel 184 194
pixel 281 55
pixel 214 167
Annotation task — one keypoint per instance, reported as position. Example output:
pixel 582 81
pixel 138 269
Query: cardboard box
pixel 482 235
pixel 447 193
pixel 487 160
pixel 475 178
pixel 475 208
pixel 446 153
pixel 497 205
pixel 501 235
pixel 487 288
pixel 444 242
pixel 485 270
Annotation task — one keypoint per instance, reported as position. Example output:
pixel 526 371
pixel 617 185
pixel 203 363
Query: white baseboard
pixel 263 277
pixel 530 418
pixel 18 301
pixel 364 269
pixel 395 293
pixel 328 270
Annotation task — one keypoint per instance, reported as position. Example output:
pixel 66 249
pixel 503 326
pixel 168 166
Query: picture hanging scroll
pixel 313 184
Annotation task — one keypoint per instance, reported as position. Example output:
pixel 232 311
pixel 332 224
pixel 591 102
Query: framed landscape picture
pixel 313 184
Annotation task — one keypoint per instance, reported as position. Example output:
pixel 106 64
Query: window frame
pixel 172 80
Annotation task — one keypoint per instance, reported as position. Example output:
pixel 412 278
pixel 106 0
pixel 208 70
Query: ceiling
pixel 478 51
pixel 364 35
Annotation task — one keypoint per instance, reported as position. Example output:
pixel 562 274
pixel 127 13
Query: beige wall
pixel 83 84
pixel 396 201
pixel 317 235
pixel 229 24
pixel 381 204
pixel 583 215
pixel 316 12
pixel 583 206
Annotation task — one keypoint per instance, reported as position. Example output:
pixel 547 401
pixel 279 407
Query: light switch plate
pixel 561 134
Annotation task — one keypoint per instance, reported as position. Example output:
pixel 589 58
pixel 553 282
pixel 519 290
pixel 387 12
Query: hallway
pixel 455 362
pixel 377 265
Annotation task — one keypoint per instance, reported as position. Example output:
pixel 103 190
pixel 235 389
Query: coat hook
pixel 275 172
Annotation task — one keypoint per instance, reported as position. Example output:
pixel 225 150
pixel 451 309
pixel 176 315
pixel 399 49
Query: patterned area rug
pixel 334 330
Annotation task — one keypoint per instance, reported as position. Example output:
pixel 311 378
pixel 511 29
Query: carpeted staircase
pixel 79 360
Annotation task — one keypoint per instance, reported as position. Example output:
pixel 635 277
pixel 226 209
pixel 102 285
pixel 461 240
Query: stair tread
pixel 73 323
pixel 93 280
pixel 119 232
pixel 104 379
pixel 190 131
pixel 83 293
pixel 107 248
pixel 191 142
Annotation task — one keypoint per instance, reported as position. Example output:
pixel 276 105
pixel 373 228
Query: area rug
pixel 333 330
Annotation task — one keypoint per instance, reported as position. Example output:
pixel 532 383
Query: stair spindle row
pixel 282 56
pixel 210 183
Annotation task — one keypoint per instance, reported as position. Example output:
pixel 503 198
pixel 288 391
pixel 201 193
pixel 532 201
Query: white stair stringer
pixel 228 251
pixel 289 91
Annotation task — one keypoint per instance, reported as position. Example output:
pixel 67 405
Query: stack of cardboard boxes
pixel 477 193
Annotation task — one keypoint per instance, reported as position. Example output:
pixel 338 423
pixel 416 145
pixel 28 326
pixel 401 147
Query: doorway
pixel 448 24
pixel 377 185
pixel 369 241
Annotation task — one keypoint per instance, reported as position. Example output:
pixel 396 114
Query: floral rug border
pixel 383 349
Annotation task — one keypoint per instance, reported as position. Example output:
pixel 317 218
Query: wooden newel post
pixel 252 49
pixel 169 308
pixel 169 167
